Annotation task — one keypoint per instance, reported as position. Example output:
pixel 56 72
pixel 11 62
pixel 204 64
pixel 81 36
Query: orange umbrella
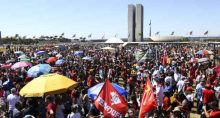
pixel 51 60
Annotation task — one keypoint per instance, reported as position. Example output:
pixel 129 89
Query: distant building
pixel 139 23
pixel 131 23
pixel 135 23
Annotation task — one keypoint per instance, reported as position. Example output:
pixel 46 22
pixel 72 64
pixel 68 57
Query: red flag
pixel 148 100
pixel 110 102
pixel 164 57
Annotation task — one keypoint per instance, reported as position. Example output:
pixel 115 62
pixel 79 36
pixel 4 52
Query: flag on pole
pixel 103 36
pixel 164 57
pixel 110 102
pixel 150 23
pixel 89 36
pixel 190 33
pixel 206 33
pixel 148 100
pixel 172 33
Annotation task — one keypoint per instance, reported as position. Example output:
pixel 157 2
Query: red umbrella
pixel 51 60
pixel 6 66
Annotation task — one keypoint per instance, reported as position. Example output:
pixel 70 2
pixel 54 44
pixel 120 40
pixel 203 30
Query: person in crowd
pixel 199 88
pixel 12 99
pixel 208 95
pixel 214 112
pixel 74 112
pixel 51 107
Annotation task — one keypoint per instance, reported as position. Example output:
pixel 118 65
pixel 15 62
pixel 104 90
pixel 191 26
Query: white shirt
pixel 74 115
pixel 169 79
pixel 180 85
pixel 190 97
pixel 198 78
pixel 12 100
pixel 159 95
pixel 177 77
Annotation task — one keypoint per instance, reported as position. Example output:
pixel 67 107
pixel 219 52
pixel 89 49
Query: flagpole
pixel 150 29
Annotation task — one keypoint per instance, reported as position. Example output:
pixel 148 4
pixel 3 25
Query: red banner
pixel 148 100
pixel 110 102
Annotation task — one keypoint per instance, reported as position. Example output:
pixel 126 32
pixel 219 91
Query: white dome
pixel 114 40
pixel 166 38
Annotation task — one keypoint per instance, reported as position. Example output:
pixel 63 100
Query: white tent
pixel 114 40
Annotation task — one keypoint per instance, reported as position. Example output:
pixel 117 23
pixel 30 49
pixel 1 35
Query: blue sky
pixel 109 17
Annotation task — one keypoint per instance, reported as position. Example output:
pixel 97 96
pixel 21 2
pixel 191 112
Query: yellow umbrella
pixel 47 85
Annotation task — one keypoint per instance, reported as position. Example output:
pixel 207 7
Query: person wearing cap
pixel 208 95
pixel 12 99
pixel 189 96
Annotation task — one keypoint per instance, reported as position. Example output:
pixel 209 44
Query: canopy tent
pixel 114 40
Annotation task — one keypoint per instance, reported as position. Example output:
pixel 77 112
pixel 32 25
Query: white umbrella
pixel 19 52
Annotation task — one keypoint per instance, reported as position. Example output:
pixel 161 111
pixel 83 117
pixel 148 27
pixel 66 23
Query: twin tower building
pixel 135 23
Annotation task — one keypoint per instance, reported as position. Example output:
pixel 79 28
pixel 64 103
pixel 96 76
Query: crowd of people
pixel 177 84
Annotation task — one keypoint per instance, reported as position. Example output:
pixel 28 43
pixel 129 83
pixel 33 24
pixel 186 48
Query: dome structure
pixel 114 40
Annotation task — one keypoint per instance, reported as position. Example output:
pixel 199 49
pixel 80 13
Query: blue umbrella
pixel 38 70
pixel 59 62
pixel 41 52
pixel 94 91
pixel 78 53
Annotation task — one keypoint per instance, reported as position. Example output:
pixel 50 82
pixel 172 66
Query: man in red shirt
pixel 208 95
pixel 214 112
pixel 51 107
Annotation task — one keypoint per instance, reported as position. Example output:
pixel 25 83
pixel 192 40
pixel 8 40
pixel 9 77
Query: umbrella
pixel 6 66
pixel 21 65
pixel 204 52
pixel 108 48
pixel 193 60
pixel 59 62
pixel 87 58
pixel 59 56
pixel 19 52
pixel 94 91
pixel 41 52
pixel 47 85
pixel 23 56
pixel 10 61
pixel 78 53
pixel 51 60
pixel 25 59
pixel 38 70
pixel 202 60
